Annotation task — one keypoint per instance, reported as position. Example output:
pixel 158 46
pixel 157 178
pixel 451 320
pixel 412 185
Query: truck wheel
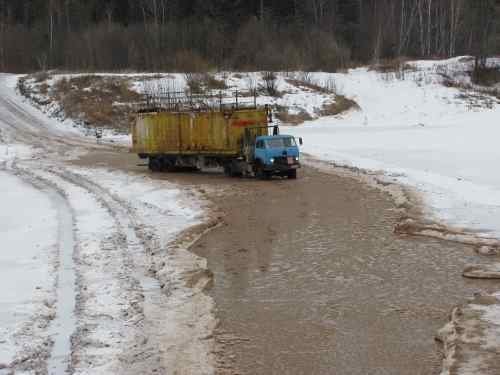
pixel 232 170
pixel 292 174
pixel 261 174
pixel 154 165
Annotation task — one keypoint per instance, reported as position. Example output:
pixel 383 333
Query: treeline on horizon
pixel 198 35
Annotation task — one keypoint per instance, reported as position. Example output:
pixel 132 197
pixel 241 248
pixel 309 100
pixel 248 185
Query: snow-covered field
pixel 420 133
pixel 28 250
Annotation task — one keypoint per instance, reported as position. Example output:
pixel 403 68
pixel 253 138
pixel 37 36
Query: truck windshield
pixel 281 142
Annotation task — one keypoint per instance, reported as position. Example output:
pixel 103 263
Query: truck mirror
pixel 300 141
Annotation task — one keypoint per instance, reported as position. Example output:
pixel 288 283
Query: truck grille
pixel 283 160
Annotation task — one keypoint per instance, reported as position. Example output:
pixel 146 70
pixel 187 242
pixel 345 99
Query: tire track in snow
pixel 146 298
pixel 132 316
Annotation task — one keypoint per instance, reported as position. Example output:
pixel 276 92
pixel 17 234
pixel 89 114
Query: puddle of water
pixel 64 323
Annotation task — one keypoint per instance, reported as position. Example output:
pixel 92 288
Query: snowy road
pixel 96 282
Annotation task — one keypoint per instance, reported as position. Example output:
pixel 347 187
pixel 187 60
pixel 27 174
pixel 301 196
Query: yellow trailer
pixel 186 131
pixel 211 133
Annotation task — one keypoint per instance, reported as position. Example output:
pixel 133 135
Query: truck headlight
pixel 296 158
pixel 271 160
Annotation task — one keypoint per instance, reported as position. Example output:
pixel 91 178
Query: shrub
pixel 194 82
pixel 212 83
pixel 486 76
pixel 270 83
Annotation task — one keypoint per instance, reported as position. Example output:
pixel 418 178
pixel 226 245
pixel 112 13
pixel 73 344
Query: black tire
pixel 230 171
pixel 155 164
pixel 292 174
pixel 168 164
pixel 261 174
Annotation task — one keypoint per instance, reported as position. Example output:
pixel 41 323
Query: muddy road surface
pixel 311 279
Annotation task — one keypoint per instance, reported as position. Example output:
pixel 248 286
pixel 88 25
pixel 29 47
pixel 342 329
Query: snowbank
pixel 472 337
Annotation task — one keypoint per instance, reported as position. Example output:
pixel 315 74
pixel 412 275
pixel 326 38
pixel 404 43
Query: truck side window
pixel 260 144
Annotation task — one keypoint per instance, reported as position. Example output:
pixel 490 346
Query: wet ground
pixel 310 279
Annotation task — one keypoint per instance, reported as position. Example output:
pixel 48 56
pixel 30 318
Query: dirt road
pixel 309 278
pixel 308 275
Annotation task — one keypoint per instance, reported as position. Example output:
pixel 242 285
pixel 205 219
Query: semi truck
pixel 179 132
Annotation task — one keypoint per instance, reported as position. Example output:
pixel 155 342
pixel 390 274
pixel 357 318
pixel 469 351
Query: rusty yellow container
pixel 210 133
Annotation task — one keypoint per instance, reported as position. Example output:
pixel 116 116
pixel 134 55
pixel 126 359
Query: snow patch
pixel 28 234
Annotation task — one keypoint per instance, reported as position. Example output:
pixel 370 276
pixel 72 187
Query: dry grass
pixel 341 104
pixel 307 85
pixel 199 83
pixel 306 82
pixel 97 101
pixel 285 117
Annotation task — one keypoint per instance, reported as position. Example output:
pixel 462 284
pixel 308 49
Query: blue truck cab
pixel 277 155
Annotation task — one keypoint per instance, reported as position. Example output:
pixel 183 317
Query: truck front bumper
pixel 281 168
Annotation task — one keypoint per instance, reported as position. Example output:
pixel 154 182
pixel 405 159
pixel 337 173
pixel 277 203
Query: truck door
pixel 260 151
